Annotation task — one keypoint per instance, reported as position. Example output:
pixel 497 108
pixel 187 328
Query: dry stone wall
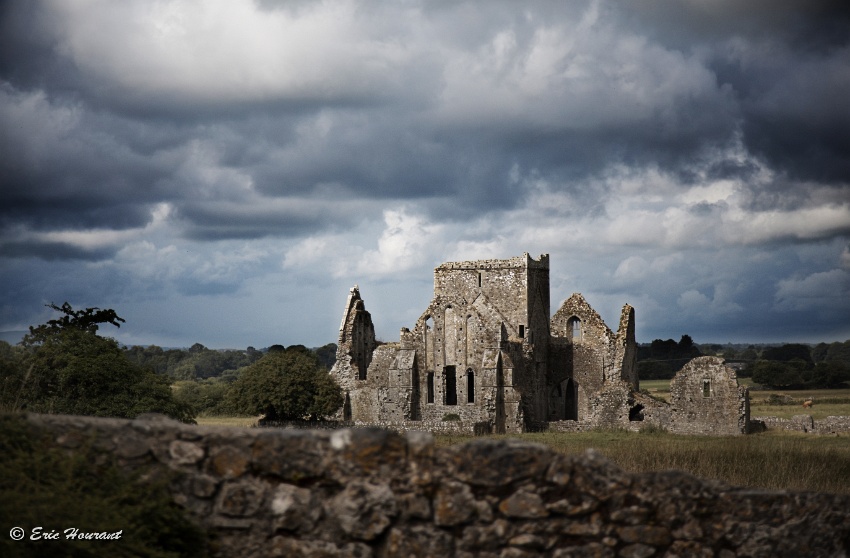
pixel 804 423
pixel 372 492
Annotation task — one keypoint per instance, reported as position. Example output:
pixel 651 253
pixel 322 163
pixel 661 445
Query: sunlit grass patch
pixel 242 422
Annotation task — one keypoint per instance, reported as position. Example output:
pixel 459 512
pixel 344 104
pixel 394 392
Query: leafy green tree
pixel 662 359
pixel 831 374
pixel 197 362
pixel 286 384
pixel 749 353
pixel 788 352
pixel 839 352
pixel 205 397
pixel 326 355
pixel 776 374
pixel 70 369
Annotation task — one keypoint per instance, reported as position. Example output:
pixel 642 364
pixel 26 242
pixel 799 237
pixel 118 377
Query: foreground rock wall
pixel 372 492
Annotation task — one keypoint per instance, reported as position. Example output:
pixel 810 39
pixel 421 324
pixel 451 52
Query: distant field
pixel 827 402
pixel 244 422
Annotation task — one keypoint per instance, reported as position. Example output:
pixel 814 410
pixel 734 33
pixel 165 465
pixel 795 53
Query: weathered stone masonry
pixel 372 492
pixel 486 354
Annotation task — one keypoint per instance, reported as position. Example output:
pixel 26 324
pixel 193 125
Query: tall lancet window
pixel 574 329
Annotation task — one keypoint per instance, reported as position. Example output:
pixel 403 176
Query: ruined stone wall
pixel 371 492
pixel 355 348
pixel 505 283
pixel 705 398
pixel 625 348
pixel 592 359
pixel 805 423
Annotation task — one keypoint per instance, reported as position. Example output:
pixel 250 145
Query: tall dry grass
pixel 776 461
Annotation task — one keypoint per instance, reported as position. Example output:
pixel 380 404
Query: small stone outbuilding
pixel 705 398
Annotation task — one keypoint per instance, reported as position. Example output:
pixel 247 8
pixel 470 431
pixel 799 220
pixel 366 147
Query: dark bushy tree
pixel 788 352
pixel 662 359
pixel 67 368
pixel 287 384
pixel 326 355
pixel 776 374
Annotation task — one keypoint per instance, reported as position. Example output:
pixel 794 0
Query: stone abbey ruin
pixel 485 357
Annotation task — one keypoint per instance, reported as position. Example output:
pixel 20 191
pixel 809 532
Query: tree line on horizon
pixel 787 366
pixel 65 366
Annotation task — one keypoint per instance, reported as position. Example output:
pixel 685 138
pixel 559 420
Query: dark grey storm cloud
pixel 190 151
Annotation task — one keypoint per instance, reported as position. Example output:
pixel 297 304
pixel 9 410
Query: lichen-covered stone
pixel 417 541
pixel 305 454
pixel 364 510
pixel 497 463
pixel 228 462
pixel 294 508
pixel 185 453
pixel 240 499
pixel 524 504
pixel 454 504
pixel 591 550
pixel 647 534
pixel 637 550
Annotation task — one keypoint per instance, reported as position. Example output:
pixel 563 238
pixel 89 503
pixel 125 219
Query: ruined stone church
pixel 485 355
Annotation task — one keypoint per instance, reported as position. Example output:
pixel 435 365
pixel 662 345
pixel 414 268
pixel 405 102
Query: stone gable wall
pixel 371 492
pixel 705 398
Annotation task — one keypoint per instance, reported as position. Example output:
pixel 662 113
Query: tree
pixel 84 320
pixel 776 374
pixel 326 355
pixel 70 369
pixel 286 384
pixel 788 352
pixel 797 373
pixel 831 374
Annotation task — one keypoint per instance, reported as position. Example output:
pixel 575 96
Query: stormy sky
pixel 223 172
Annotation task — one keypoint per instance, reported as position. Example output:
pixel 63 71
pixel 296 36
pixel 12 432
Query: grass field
pixel 244 422
pixel 772 460
pixel 827 402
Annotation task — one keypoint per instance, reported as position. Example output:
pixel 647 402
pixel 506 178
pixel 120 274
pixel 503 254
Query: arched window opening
pixel 470 386
pixel 450 381
pixel 706 388
pixel 430 388
pixel 574 328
